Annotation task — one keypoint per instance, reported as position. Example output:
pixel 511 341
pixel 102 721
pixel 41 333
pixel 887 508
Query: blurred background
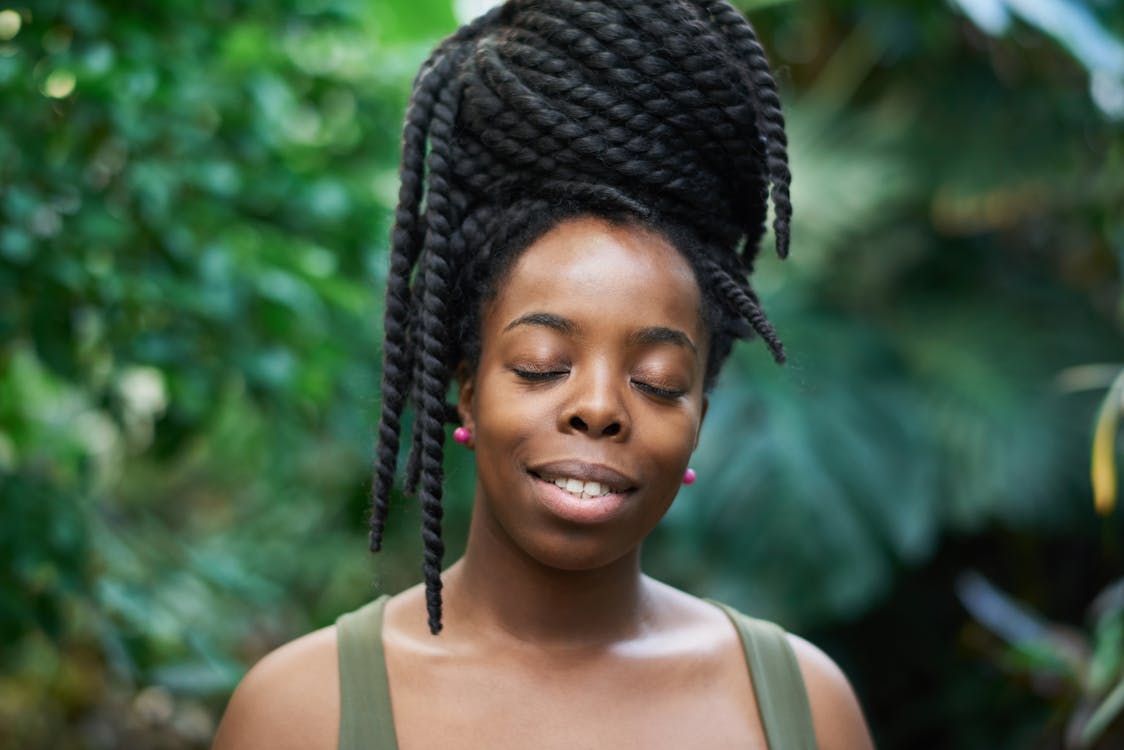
pixel 194 212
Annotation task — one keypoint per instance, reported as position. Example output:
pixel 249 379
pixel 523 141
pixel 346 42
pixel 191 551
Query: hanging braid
pixel 742 300
pixel 396 379
pixel 660 113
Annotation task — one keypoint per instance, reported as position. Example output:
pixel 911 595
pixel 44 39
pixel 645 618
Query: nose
pixel 596 407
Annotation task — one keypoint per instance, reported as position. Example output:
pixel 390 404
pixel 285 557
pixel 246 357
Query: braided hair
pixel 657 112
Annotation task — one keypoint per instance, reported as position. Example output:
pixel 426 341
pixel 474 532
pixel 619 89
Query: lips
pixel 582 505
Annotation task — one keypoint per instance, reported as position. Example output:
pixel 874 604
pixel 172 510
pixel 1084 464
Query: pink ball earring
pixel 689 476
pixel 462 435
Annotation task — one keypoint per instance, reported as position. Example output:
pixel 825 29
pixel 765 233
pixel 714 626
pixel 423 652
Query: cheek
pixel 669 439
pixel 502 420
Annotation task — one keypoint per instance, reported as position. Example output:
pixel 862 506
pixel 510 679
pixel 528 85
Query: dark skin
pixel 592 361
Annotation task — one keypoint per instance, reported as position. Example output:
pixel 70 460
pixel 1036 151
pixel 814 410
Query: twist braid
pixel 738 295
pixel 397 370
pixel 457 245
pixel 570 140
pixel 440 219
pixel 704 103
pixel 769 116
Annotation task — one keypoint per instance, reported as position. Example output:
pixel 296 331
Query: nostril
pixel 612 429
pixel 578 424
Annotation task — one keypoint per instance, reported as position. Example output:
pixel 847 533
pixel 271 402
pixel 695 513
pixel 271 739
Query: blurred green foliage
pixel 1082 672
pixel 194 208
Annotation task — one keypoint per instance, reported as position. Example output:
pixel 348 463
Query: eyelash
pixel 661 392
pixel 536 376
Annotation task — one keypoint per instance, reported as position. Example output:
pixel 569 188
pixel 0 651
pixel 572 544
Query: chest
pixel 560 703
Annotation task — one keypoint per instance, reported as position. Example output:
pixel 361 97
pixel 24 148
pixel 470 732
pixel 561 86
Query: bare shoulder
pixel 836 714
pixel 289 699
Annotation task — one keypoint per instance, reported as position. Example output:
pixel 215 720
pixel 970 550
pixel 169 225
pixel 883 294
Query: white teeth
pixel 585 490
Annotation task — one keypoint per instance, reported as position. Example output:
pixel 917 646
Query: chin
pixel 575 549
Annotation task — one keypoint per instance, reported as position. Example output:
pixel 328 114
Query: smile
pixel 583 480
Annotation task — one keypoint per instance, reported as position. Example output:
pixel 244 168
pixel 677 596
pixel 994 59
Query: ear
pixel 702 418
pixel 466 392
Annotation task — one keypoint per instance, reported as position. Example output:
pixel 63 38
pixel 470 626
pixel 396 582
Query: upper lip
pixel 587 472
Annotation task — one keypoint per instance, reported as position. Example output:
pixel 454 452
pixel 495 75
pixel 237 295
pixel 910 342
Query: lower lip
pixel 576 509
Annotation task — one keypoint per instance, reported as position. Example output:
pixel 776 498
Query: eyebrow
pixel 643 337
pixel 547 320
pixel 662 335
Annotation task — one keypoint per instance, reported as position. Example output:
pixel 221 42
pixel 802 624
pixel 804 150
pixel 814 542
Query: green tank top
pixel 366 721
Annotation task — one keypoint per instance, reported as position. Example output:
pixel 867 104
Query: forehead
pixel 591 270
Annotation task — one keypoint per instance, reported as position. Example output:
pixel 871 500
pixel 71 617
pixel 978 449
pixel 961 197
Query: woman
pixel 584 190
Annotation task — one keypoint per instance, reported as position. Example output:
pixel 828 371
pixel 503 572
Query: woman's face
pixel 590 376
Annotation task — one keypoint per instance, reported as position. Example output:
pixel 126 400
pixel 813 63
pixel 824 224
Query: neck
pixel 499 588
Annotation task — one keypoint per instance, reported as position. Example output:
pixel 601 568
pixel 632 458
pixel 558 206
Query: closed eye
pixel 538 374
pixel 657 391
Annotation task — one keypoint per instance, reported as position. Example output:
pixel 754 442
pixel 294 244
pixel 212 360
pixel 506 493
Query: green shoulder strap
pixel 366 720
pixel 782 699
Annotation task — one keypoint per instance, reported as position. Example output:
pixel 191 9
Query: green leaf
pixel 1103 716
